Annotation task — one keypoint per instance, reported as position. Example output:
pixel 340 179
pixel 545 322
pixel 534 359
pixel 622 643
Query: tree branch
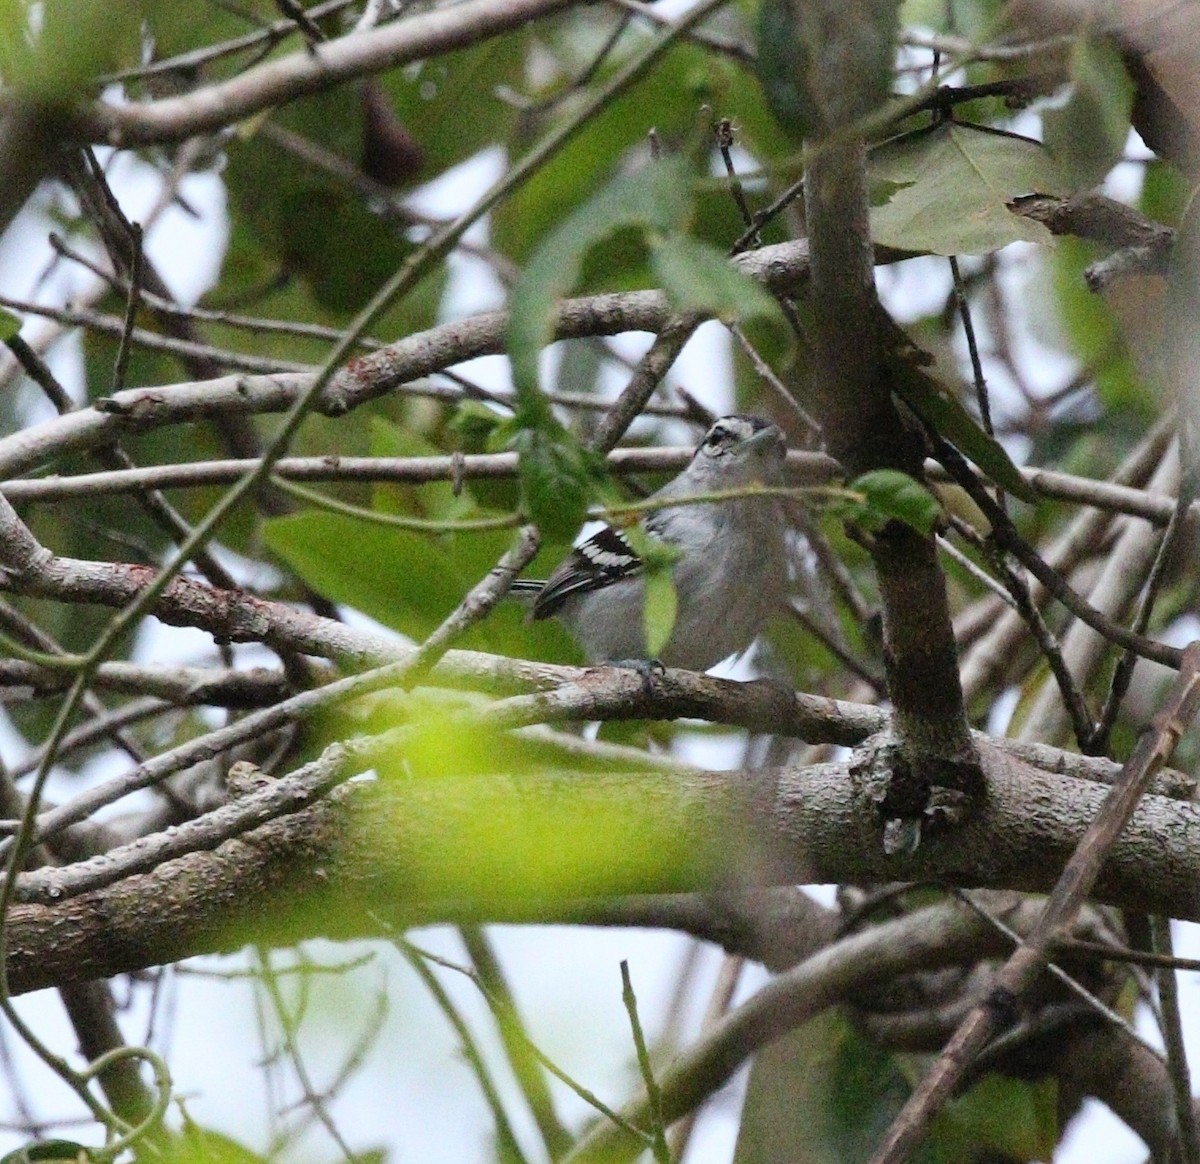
pixel 309 70
pixel 383 847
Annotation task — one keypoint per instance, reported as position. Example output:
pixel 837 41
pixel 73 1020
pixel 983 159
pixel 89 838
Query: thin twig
pixel 1006 535
pixel 588 1097
pixel 723 133
pixel 651 369
pixel 525 1067
pixel 1154 583
pixel 767 373
pixel 121 367
pixel 261 39
pixel 1115 953
pixel 718 1007
pixel 658 1145
pixel 1022 600
pixel 806 468
pixel 288 1026
pixel 1054 970
pixel 1172 1030
pixel 968 326
pixel 416 958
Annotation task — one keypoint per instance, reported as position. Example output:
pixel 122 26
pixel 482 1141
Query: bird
pixel 731 570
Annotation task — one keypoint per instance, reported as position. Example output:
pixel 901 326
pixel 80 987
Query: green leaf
pixel 10 325
pixel 656 198
pixel 411 581
pixel 826 1094
pixel 1107 332
pixel 1087 135
pixel 668 100
pixel 199 1145
pixel 554 473
pixel 698 276
pixel 939 408
pixel 823 1094
pixel 661 607
pixel 313 212
pixel 890 495
pixel 48 1150
pixel 452 103
pixel 1166 192
pixel 1015 1119
pixel 400 578
pixel 956 183
pixel 474 422
pixel 433 499
pixel 661 603
pixel 75 40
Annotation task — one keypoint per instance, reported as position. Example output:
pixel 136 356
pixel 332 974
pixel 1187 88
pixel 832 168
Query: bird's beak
pixel 770 435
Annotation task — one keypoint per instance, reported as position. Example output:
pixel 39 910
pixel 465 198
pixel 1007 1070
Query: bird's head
pixel 739 450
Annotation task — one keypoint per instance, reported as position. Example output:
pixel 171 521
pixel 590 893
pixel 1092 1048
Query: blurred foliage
pixel 826 1093
pixel 1087 135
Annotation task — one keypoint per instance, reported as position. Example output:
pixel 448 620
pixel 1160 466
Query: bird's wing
pixel 606 557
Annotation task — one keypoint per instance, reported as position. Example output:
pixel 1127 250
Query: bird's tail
pixel 526 590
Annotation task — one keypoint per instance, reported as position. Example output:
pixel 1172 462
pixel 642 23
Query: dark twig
pixel 261 40
pixel 968 326
pixel 1172 1030
pixel 1113 953
pixel 652 367
pixel 745 241
pixel 39 372
pixel 723 132
pixel 590 70
pixel 1082 722
pixel 303 21
pixel 124 347
pixel 830 640
pixel 1055 971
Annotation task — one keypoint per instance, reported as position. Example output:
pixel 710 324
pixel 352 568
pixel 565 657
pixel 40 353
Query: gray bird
pixel 730 575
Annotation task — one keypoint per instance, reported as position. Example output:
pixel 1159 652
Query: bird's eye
pixel 716 438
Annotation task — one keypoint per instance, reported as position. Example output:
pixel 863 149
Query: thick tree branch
pixel 865 430
pixel 383 847
pixel 781 268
